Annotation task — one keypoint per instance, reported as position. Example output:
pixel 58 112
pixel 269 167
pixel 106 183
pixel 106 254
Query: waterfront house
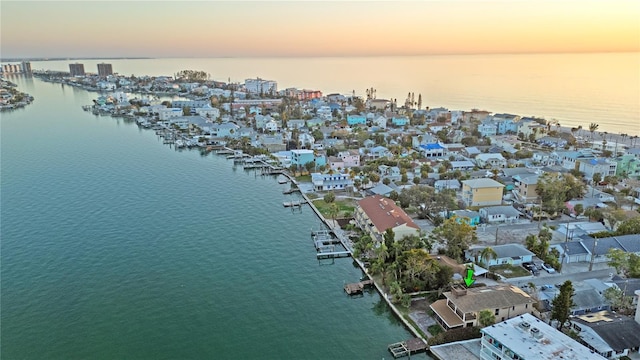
pixel 375 214
pixel 225 129
pixel 169 113
pixel 482 192
pixel 335 181
pixel 462 306
pixel 527 337
pixel 300 157
pixel 499 214
pixel 512 254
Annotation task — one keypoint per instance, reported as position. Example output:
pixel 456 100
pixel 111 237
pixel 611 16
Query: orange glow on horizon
pixel 215 29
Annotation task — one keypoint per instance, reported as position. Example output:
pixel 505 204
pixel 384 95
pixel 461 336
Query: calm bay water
pixel 575 89
pixel 116 246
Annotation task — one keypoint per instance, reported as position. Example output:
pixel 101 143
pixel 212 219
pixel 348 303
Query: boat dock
pixel 357 288
pixel 291 190
pixel 406 348
pixel 294 204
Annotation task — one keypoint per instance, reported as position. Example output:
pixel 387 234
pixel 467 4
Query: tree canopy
pixel 562 304
pixel 455 236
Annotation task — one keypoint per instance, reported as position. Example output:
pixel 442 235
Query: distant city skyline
pixel 307 28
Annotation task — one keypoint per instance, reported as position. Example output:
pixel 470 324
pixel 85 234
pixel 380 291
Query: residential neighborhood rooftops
pixel 511 251
pixel 482 183
pixel 545 343
pixel 619 332
pixel 506 210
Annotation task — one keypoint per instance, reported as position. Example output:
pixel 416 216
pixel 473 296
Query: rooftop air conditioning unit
pixel 535 332
pixel 525 325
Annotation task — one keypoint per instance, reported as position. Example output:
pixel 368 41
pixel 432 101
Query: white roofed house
pixel 452 184
pixel 499 214
pixel 306 140
pixel 351 158
pixel 271 125
pixel 527 337
pixel 224 130
pixel 491 160
pixel 380 121
pixel 512 254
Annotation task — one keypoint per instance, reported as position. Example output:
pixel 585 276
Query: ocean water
pixel 115 246
pixel 575 89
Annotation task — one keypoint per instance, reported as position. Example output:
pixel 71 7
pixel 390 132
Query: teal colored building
pixel 466 216
pixel 400 121
pixel 628 166
pixel 356 119
pixel 302 157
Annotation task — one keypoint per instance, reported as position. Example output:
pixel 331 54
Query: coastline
pixel 337 231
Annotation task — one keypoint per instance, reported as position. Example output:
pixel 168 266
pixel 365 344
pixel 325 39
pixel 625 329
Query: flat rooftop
pixel 550 343
pixel 467 350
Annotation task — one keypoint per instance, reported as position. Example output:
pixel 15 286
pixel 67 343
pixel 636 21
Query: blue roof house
pixel 432 150
pixel 356 119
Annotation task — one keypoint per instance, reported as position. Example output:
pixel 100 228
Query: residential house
pixel 512 254
pixel 488 129
pixel 380 122
pixel 433 150
pixel 462 165
pixel 452 184
pixel 296 124
pixel 375 214
pixel 588 249
pixel 602 166
pixel 499 214
pixel 375 152
pixel 553 142
pixel 356 119
pixel 301 157
pixel 380 189
pixel 527 337
pixel 471 152
pixel 608 334
pixel 569 159
pixel 306 140
pixel 461 307
pixel 628 166
pixel 351 158
pixel 542 158
pixel 324 182
pixel 525 188
pixel 400 121
pixel 453 149
pixel 482 192
pixel 169 113
pixel 466 216
pixel 224 130
pixel 391 172
pixel 491 160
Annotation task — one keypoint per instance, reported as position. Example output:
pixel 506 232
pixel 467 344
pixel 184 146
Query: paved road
pixel 552 279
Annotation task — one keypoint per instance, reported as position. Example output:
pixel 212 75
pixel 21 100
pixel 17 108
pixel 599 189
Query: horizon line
pixel 61 58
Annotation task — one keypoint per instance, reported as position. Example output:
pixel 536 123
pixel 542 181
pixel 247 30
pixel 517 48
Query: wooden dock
pixel 298 203
pixel 406 348
pixel 357 288
pixel 291 191
pixel 332 254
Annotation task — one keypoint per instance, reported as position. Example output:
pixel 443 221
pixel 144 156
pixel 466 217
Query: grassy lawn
pixel 343 205
pixel 510 271
pixel 303 178
pixel 435 329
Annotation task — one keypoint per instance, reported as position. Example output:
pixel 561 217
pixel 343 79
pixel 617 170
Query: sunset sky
pixel 307 28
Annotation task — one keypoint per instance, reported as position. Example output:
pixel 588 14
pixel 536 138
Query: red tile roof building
pixel 375 214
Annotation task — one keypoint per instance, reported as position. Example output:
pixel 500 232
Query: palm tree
pixel 487 254
pixel 592 128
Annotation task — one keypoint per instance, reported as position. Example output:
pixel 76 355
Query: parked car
pixel 534 271
pixel 548 268
pixel 529 266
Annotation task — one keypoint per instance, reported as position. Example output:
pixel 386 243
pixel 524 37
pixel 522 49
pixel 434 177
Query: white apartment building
pixel 260 86
pixel 527 338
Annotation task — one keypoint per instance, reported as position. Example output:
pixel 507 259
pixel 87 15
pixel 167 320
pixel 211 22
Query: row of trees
pixel 556 190
pixel 539 245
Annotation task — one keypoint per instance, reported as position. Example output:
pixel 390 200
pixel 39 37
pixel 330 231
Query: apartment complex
pixel 482 192
pixel 76 69
pixel 526 337
pixel 105 69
